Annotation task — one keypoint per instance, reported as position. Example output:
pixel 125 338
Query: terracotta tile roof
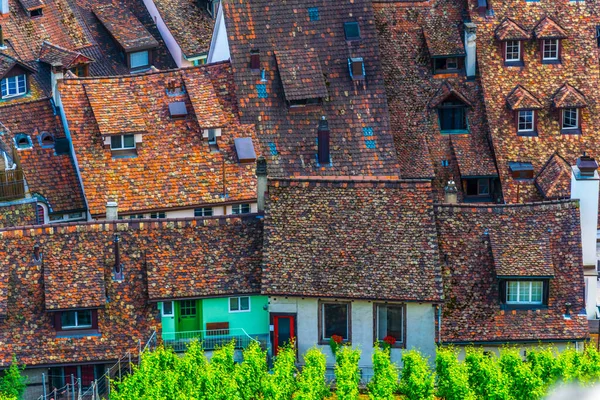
pixel 547 28
pixel 115 117
pixel 61 57
pixel 191 26
pixel 125 28
pixel 554 180
pixel 19 213
pixel 522 99
pixel 7 63
pixel 49 175
pixel 472 312
pixel 510 30
pixel 443 37
pixel 205 102
pixel 578 67
pixel 568 97
pixel 360 138
pixel 333 238
pixel 445 92
pixel 301 74
pixel 411 89
pixel 126 315
pixel 521 250
pixel 32 4
pixel 217 259
pixel 473 159
pixel 175 166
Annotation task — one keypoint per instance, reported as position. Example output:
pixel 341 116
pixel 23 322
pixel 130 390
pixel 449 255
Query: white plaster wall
pixel 219 45
pixel 180 213
pixel 170 41
pixel 522 348
pixel 586 190
pixel 420 327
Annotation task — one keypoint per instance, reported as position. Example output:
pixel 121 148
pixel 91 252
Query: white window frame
pixel 65 218
pixel 203 211
pixel 378 335
pixel 122 137
pixel 77 326
pixel 140 65
pixel 5 86
pixel 239 303
pixel 239 207
pixel 550 43
pixel 512 42
pixel 162 309
pixel 564 110
pixel 518 291
pixel 532 121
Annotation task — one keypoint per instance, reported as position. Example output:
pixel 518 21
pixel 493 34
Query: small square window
pixel 167 309
pixel 122 142
pixel 240 208
pixel 570 118
pixel 513 51
pixel 524 292
pixel 161 214
pixel 550 49
pixel 445 163
pixel 526 121
pixel 335 320
pixel 351 31
pixel 38 12
pixel 313 13
pixel 239 304
pixel 139 59
pixel 80 319
pixel 203 212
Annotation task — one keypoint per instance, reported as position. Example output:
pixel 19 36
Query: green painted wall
pixel 254 322
pixel 168 324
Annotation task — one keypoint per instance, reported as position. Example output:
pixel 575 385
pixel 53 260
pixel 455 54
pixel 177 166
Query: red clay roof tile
pixel 522 99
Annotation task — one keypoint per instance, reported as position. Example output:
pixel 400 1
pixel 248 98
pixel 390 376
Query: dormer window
pixel 122 142
pixel 212 134
pixel 47 140
pixel 551 50
pixel 23 141
pixel 526 121
pixel 512 51
pixel 38 12
pixel 351 31
pixel 453 117
pixel 450 64
pixel 570 120
pixel 14 86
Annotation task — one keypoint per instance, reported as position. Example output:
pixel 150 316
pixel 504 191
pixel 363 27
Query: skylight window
pixel 357 68
pixel 313 13
pixel 351 30
pixel 23 141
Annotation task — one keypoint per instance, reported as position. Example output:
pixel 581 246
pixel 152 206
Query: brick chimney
pixel 584 187
pixel 261 175
pixel 451 193
pixel 323 137
pixel 112 211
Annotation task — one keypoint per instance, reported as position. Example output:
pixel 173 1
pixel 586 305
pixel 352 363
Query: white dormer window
pixel 212 135
pixel 513 51
pixel 122 142
pixel 14 86
pixel 550 48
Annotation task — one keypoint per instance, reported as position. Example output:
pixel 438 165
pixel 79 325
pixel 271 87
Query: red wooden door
pixel 284 330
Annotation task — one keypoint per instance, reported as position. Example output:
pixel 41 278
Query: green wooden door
pixel 187 316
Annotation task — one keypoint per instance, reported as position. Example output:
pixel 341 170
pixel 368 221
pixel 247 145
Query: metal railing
pixel 211 339
pixel 12 185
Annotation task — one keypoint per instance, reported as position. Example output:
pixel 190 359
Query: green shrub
pixel 417 380
pixel 311 381
pixel 591 365
pixel 485 376
pixel 221 382
pixel 385 376
pixel 281 384
pixel 251 373
pixel 452 376
pixel 524 384
pixel 193 370
pixel 347 373
pixel 13 384
pixel 543 364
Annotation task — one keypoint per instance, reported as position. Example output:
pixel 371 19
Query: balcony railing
pixel 211 339
pixel 12 185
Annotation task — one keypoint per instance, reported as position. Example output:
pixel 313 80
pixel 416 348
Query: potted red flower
pixel 335 342
pixel 388 342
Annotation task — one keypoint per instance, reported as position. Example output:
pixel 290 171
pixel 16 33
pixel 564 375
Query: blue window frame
pixel 14 86
pixel 261 90
pixel 356 66
pixel 313 13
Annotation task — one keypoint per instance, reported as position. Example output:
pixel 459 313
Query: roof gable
pixel 510 30
pixel 568 97
pixel 522 99
pixel 443 38
pixel 31 5
pixel 208 109
pixel 446 92
pixel 301 74
pixel 547 28
pixel 7 63
pixel 554 179
pixel 58 56
pixel 125 28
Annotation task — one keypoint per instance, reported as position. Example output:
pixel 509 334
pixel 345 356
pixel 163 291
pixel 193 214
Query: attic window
pixel 550 50
pixel 245 150
pixel 177 109
pixel 23 141
pixel 46 140
pixel 122 142
pixel 212 135
pixel 447 64
pixel 14 86
pixel 521 170
pixel 304 102
pixel 255 60
pixel 453 117
pixel 36 13
pixel 357 68
pixel 313 13
pixel 351 30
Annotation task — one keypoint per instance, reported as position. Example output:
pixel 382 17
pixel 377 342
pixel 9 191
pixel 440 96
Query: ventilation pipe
pixel 261 175
pixel 323 136
pixel 584 187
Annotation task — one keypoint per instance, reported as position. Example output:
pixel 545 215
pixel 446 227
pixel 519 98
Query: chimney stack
pixel 451 193
pixel 584 186
pixel 4 9
pixel 470 49
pixel 261 175
pixel 112 211
pixel 323 136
